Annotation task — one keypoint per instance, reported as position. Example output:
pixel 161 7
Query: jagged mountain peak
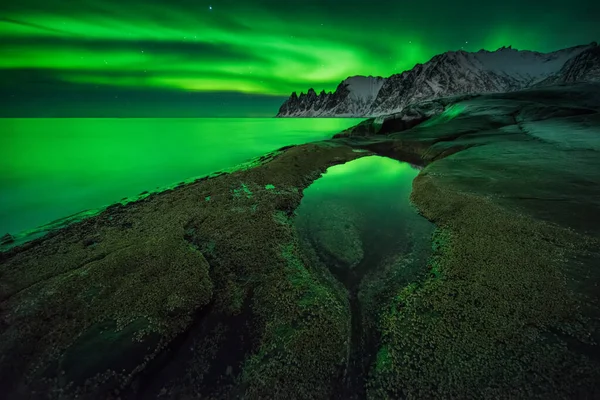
pixel 451 73
pixel 362 77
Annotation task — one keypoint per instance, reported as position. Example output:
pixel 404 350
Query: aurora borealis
pixel 139 53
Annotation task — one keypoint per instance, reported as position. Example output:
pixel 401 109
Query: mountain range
pixel 448 74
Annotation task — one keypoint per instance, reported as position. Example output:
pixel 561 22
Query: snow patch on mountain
pixel 364 87
pixel 527 66
pixel 585 66
pixel 448 74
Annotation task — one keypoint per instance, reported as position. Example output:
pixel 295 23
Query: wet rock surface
pixel 370 198
pixel 203 290
pixel 336 234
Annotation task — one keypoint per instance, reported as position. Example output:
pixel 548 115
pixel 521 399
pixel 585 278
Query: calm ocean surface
pixel 52 168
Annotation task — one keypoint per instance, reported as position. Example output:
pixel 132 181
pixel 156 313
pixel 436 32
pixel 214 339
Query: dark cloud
pixel 32 25
pixel 57 99
pixel 190 50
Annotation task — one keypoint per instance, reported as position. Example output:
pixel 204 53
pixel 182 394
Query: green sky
pixel 261 48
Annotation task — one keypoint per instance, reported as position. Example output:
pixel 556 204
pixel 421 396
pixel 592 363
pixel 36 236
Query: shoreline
pixel 219 257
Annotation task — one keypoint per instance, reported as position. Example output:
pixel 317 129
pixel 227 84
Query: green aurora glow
pixel 264 47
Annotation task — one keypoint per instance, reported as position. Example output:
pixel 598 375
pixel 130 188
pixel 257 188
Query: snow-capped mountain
pixel 448 74
pixel 352 97
pixel 583 67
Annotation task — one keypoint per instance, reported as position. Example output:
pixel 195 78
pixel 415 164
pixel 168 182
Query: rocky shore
pixel 202 291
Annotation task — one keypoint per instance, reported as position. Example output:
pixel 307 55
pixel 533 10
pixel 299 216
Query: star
pixel 210 7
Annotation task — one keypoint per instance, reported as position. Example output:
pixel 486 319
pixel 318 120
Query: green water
pixel 368 200
pixel 357 222
pixel 51 168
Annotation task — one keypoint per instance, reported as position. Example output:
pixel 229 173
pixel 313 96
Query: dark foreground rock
pixel 409 117
pixel 202 292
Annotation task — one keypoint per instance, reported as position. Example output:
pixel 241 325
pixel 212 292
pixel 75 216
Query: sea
pixel 55 167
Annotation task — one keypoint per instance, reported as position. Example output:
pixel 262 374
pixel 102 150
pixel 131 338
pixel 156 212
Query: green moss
pixel 309 323
pixel 284 332
pixel 296 272
pixel 383 359
pixel 234 297
pixel 440 245
pixel 440 239
pixel 269 187
pixel 243 190
pixel 156 280
pixel 494 292
pixel 404 298
pixel 281 218
pixel 208 248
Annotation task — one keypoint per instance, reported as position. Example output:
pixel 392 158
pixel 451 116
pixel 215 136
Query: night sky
pixel 243 57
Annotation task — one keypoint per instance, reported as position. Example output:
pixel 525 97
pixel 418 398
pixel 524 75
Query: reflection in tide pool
pixel 357 222
pixel 359 210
